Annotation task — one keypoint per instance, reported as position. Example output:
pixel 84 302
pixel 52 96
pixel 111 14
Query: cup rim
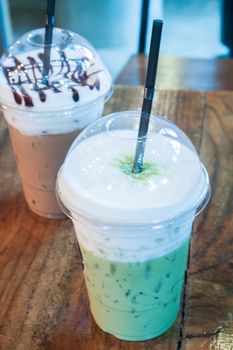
pixel 196 208
pixel 106 95
pixel 195 204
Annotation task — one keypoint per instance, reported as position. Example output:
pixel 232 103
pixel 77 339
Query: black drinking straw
pixel 148 95
pixel 49 23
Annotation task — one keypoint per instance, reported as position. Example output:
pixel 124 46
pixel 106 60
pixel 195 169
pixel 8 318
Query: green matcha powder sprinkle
pixel 125 164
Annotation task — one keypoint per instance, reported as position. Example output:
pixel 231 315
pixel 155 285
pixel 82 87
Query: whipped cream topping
pixel 94 181
pixel 78 84
pixel 76 78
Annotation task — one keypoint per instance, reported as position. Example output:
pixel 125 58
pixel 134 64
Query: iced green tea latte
pixel 133 229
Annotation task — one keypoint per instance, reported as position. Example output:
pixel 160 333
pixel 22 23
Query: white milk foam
pixel 132 243
pixel 52 123
pixel 92 184
pixel 59 113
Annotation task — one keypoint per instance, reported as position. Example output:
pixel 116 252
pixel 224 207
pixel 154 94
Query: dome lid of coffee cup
pixel 77 77
pixel 96 179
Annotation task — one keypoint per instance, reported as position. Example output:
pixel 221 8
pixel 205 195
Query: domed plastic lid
pixel 96 179
pixel 77 76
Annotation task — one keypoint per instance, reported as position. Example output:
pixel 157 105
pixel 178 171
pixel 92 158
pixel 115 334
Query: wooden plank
pixel 208 322
pixel 43 297
pixel 181 73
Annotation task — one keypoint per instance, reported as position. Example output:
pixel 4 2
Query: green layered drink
pixel 140 298
pixel 133 229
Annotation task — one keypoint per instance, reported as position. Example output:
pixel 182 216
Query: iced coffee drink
pixel 44 119
pixel 133 229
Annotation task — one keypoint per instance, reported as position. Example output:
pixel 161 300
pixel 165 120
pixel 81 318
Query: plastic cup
pixel 43 119
pixel 133 229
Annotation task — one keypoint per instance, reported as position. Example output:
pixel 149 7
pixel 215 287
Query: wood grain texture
pixel 209 291
pixel 181 73
pixel 43 298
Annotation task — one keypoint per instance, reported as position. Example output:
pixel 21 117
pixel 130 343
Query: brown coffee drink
pixel 45 115
pixel 39 158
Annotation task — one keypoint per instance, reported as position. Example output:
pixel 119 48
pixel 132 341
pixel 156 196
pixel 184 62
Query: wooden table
pixel 43 299
pixel 181 73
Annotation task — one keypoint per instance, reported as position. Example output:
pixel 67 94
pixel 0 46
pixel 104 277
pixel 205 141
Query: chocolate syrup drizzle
pixel 72 72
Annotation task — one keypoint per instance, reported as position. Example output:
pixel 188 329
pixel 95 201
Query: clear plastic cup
pixel 43 119
pixel 133 229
